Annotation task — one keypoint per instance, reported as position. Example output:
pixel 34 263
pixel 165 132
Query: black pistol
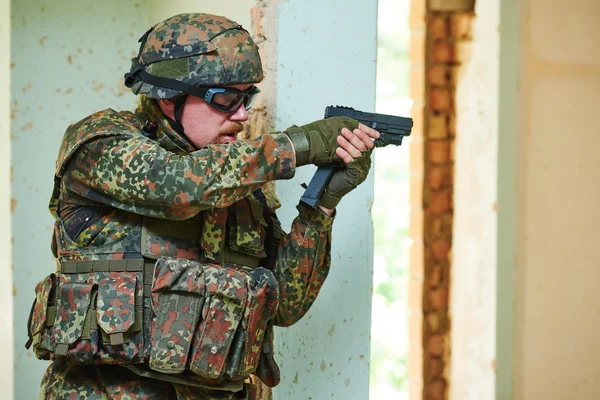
pixel 391 128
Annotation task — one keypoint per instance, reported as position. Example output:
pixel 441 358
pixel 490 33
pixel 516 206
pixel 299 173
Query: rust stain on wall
pixel 14 290
pixel 70 59
pixel 13 206
pixel 43 39
pixel 27 126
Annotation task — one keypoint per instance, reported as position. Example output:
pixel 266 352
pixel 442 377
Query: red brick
pixel 439 250
pixel 433 322
pixel 460 25
pixel 440 99
pixel 436 390
pixel 435 345
pixel 435 277
pixel 440 202
pixel 438 298
pixel 443 52
pixel 438 28
pixel 436 177
pixel 438 75
pixel 434 368
pixel 452 125
pixel 438 151
pixel 438 127
pixel 437 226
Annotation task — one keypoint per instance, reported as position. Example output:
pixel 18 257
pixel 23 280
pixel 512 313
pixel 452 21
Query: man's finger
pixel 366 139
pixel 344 155
pixel 349 147
pixel 369 131
pixel 355 139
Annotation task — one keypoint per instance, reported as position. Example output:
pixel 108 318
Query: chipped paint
pixel 323 366
pixel 330 332
pixel 70 53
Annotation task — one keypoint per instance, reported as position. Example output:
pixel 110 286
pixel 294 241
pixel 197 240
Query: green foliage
pixel 389 331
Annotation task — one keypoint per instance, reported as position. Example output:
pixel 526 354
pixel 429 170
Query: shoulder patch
pixel 101 124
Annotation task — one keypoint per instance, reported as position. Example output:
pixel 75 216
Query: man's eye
pixel 225 99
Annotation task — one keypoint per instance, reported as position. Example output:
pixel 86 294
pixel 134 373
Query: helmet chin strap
pixel 179 104
pixel 178 111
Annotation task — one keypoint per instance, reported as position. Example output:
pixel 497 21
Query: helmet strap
pixel 178 111
pixel 179 104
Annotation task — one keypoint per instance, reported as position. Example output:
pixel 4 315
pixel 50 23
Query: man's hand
pixel 317 142
pixel 355 150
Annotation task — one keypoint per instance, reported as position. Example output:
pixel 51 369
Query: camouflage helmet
pixel 191 50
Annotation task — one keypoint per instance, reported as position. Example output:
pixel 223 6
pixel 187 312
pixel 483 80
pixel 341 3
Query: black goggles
pixel 228 99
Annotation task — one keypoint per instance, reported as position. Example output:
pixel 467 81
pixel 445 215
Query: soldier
pixel 172 268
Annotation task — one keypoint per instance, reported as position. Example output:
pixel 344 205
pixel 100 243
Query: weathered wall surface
pixel 6 284
pixel 473 283
pixel 69 59
pixel 325 55
pixel 237 10
pixel 557 312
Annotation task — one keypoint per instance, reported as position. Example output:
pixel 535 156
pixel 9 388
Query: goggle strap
pixel 172 84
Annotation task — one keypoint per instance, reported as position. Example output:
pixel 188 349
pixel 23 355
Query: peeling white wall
pixel 473 275
pixel 326 55
pixel 237 10
pixel 6 283
pixel 69 60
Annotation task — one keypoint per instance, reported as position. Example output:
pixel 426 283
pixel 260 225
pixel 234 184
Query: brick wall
pixel 440 43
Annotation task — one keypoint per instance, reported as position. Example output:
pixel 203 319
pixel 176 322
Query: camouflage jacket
pixel 109 174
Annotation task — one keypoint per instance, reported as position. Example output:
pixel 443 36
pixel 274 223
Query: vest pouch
pixel 247 228
pixel 268 370
pixel 74 304
pixel 118 318
pixel 226 291
pixel 43 310
pixel 261 305
pixel 178 293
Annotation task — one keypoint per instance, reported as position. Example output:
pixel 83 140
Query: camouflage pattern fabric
pixel 68 381
pixel 110 178
pixel 200 50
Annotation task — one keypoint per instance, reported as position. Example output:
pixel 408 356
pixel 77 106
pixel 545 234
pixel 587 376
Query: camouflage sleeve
pixel 135 174
pixel 304 258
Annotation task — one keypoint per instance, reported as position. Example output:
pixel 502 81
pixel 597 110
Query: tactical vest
pixel 182 301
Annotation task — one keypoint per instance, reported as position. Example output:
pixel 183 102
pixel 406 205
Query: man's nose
pixel 241 114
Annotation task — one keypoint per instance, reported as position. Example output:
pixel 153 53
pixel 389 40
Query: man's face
pixel 204 124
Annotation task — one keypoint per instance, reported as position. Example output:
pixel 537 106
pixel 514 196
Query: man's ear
pixel 167 106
